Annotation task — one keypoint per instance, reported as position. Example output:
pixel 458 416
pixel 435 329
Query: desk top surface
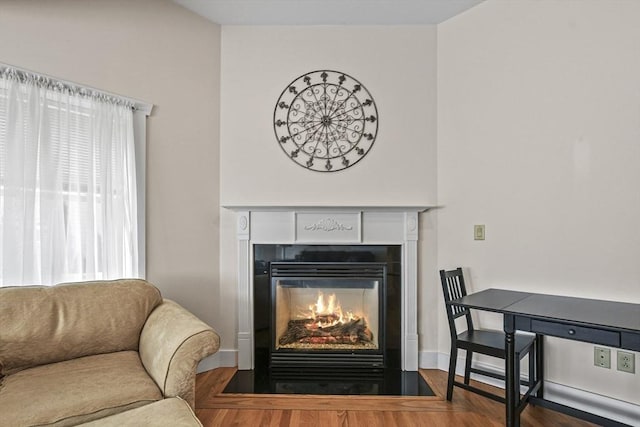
pixel 618 315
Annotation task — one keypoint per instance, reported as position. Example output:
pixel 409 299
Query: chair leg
pixel 540 364
pixel 517 377
pixel 452 371
pixel 467 367
pixel 532 364
pixel 532 367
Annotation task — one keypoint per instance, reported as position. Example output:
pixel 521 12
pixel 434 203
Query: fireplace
pixel 269 234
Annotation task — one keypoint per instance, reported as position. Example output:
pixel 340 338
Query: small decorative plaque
pixel 319 227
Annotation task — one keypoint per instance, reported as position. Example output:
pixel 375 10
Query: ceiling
pixel 328 12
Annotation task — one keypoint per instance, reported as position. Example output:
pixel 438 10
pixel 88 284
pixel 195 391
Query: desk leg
pixel 540 364
pixel 512 398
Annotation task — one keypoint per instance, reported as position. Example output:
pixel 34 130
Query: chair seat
pixel 491 342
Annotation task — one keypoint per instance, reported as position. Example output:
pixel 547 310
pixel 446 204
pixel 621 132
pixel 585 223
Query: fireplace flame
pixel 329 313
pixel 326 325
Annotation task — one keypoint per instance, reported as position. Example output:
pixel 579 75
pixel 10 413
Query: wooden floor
pixel 252 410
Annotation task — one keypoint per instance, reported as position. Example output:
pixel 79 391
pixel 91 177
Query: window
pixel 71 182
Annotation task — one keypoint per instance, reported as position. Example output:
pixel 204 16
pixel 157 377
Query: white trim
pixel 410 350
pixel 226 358
pixel 140 146
pixel 604 406
pixel 331 208
pixel 245 290
pixel 619 410
pixel 429 360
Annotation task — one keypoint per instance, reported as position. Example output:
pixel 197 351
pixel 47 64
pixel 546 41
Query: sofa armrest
pixel 172 343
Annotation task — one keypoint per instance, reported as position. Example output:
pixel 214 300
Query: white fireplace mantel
pixel 334 225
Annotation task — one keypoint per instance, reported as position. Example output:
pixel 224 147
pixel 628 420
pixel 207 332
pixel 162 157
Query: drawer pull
pixel 572 331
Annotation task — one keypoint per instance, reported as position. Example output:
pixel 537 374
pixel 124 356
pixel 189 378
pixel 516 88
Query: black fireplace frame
pixel 341 273
pixel 264 254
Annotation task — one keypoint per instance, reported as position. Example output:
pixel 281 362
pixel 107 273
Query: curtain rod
pixel 138 105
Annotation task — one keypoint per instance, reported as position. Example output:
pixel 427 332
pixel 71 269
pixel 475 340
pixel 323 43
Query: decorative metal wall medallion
pixel 325 121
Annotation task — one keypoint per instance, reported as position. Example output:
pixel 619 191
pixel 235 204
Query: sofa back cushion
pixel 40 325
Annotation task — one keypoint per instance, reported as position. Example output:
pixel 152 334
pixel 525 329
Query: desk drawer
pixel 630 341
pixel 580 333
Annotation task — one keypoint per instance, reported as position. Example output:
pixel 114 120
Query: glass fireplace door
pixel 328 313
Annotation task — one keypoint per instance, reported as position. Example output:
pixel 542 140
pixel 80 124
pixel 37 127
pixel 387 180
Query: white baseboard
pixel 222 359
pixel 614 409
pixel 429 360
pixel 604 406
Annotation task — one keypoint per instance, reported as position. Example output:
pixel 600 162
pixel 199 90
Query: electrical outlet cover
pixel 626 362
pixel 602 357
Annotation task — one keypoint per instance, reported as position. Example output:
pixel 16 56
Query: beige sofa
pixel 74 353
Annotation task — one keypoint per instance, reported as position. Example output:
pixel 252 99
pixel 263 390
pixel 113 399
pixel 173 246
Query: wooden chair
pixel 483 341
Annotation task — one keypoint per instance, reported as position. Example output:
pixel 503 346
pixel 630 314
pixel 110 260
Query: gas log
pixel 308 331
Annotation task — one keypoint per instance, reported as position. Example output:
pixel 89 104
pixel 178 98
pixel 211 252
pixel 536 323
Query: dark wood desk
pixel 609 323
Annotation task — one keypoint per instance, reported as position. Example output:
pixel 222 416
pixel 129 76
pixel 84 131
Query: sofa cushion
pixel 43 325
pixel 75 391
pixel 173 412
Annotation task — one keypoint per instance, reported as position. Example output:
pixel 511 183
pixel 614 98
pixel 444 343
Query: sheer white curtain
pixel 68 203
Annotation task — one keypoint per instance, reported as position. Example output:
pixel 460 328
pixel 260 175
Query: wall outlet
pixel 478 232
pixel 626 362
pixel 602 357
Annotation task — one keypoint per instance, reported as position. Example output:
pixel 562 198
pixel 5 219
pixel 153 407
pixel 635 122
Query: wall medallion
pixel 325 121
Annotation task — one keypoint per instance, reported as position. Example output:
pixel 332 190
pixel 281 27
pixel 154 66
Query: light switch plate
pixel 478 232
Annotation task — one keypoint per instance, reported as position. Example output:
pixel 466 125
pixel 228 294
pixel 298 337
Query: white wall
pixel 539 139
pixel 161 53
pixel 396 64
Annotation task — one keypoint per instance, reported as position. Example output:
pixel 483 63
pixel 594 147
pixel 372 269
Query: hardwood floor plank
pixel 212 383
pixel 319 403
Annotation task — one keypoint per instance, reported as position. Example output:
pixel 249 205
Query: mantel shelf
pixel 324 208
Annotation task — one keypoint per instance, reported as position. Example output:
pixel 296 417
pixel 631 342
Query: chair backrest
pixel 453 288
